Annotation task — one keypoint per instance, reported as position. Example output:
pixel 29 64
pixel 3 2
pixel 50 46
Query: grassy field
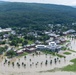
pixel 52 53
pixel 48 52
pixel 67 53
pixel 60 55
pixel 30 42
pixel 70 67
pixel 64 48
pixel 72 51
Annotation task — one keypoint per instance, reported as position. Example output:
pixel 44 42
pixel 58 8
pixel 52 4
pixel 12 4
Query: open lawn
pixel 67 53
pixel 48 52
pixel 59 55
pixel 64 48
pixel 72 51
pixel 30 42
pixel 52 53
pixel 70 67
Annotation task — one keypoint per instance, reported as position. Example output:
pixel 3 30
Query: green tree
pixel 24 43
pixel 2 49
pixel 11 53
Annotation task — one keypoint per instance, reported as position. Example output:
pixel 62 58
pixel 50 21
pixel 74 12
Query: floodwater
pixel 33 64
pixel 36 73
pixel 36 65
pixel 72 45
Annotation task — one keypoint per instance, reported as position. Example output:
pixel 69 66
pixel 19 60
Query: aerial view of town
pixel 37 38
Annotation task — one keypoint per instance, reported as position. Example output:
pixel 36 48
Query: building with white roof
pixel 40 47
pixel 52 46
pixel 69 31
pixel 5 30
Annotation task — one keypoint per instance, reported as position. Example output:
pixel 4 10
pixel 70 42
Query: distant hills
pixel 34 15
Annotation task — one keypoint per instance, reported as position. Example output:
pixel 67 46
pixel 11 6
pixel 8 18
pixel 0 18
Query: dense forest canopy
pixel 32 15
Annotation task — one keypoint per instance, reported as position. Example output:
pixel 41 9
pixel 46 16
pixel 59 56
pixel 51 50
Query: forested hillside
pixel 33 15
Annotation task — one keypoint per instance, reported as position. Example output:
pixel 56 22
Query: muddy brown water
pixel 35 64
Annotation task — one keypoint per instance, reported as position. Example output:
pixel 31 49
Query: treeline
pixel 35 16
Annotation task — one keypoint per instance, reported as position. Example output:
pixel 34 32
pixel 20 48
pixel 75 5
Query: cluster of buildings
pixel 5 33
pixel 69 31
pixel 28 48
pixel 52 46
pixel 5 30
